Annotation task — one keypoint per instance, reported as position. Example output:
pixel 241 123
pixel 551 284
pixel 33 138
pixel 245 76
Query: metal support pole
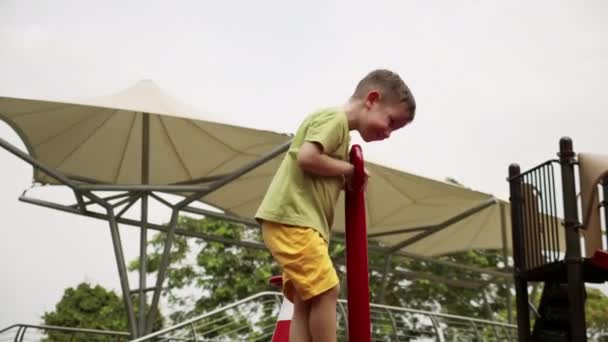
pixel 437 327
pixel 517 234
pixel 143 237
pixel 120 260
pixel 359 326
pixel 122 271
pixel 605 205
pixel 387 266
pixel 162 268
pixel 143 261
pixel 576 285
pixel 505 256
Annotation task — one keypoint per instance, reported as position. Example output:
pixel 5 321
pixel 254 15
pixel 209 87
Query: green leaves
pixel 221 274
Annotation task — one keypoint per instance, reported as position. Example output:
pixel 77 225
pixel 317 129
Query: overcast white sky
pixel 495 82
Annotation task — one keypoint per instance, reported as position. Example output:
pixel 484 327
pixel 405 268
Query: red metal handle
pixel 357 277
pixel 356 158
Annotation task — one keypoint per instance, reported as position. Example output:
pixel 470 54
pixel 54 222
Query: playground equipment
pixel 539 236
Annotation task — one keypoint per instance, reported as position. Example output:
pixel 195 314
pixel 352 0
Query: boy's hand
pixel 348 184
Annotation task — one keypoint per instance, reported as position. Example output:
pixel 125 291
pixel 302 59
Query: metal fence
pixel 254 318
pixel 540 234
pixel 35 333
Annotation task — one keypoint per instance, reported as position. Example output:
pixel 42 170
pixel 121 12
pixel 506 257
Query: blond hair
pixel 391 87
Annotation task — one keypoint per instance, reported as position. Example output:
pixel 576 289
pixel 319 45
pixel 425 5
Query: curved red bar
pixel 357 277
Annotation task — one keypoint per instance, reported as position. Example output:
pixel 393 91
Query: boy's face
pixel 381 119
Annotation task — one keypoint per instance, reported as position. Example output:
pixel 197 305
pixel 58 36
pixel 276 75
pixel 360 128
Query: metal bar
pixel 83 179
pixel 545 216
pixel 143 237
pixel 527 239
pixel 162 268
pixel 140 187
pixel 576 287
pixel 161 200
pixel 191 188
pixel 393 323
pixel 452 282
pixel 80 201
pixel 20 334
pixel 517 234
pixel 344 314
pixel 36 164
pixel 490 312
pixel 437 327
pixel 445 224
pixel 201 180
pixel 123 201
pixel 505 255
pixel 387 265
pixel 554 224
pixel 120 261
pixel 406 230
pixel 147 289
pixel 65 329
pixel 107 199
pixel 539 221
pixel 236 174
pixel 534 169
pixel 406 254
pixel 194 332
pixel 143 259
pixel 214 214
pixel 548 216
pixel 476 331
pixel 604 204
pixel 132 201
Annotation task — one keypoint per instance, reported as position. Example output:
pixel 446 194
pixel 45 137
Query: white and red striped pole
pixel 281 329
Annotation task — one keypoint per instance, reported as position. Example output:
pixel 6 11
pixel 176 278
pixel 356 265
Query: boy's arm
pixel 312 159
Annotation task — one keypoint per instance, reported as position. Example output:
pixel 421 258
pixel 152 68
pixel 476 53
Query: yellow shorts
pixel 304 258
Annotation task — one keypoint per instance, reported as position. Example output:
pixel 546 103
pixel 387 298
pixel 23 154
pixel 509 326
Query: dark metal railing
pixel 534 195
pixel 536 237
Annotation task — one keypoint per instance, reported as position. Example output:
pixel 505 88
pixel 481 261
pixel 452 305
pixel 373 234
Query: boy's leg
pixel 298 330
pixel 322 319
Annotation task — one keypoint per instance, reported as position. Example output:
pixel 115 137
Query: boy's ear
pixel 372 97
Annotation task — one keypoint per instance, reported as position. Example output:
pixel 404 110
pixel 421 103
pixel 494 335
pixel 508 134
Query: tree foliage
pixel 89 307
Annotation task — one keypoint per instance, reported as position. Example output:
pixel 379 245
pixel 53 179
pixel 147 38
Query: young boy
pixel 298 210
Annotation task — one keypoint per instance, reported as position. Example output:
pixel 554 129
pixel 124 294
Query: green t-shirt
pixel 299 198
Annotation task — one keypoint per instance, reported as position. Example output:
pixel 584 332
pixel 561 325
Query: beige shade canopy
pixel 100 141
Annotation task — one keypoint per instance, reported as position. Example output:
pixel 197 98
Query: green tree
pixel 596 314
pixel 220 273
pixel 223 273
pixel 91 308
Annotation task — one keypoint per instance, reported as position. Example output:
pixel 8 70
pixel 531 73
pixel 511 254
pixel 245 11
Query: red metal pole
pixel 357 278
